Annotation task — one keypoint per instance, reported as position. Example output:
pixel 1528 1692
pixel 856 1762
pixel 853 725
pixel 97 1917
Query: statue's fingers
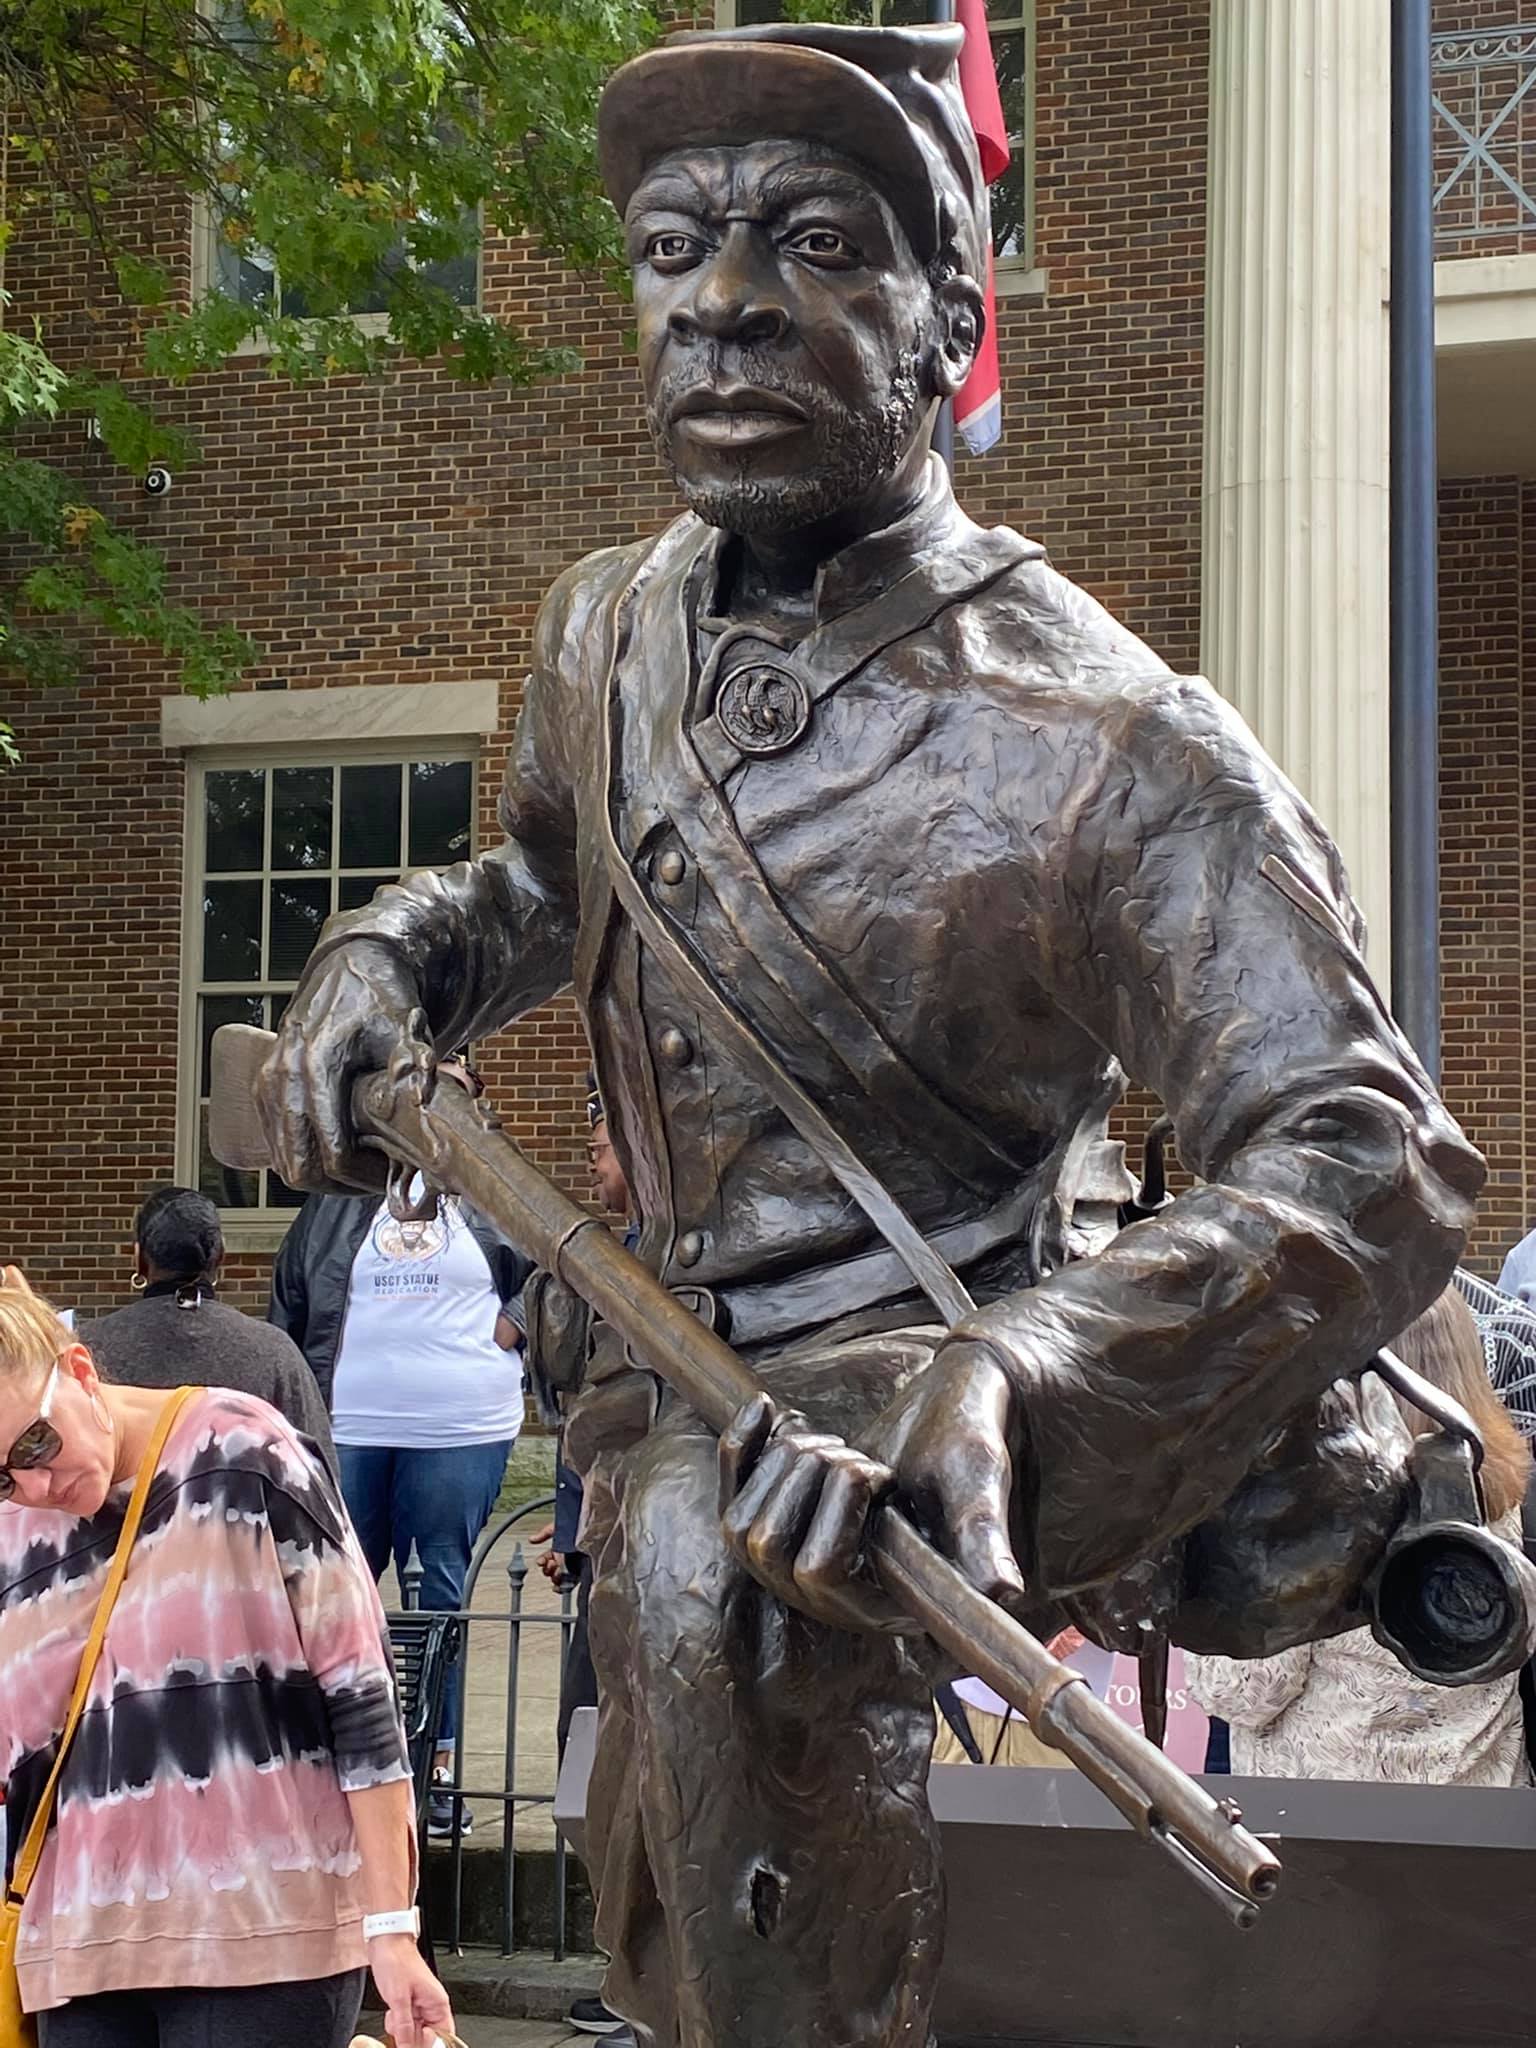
pixel 827 1568
pixel 324 1097
pixel 976 1532
pixel 284 1102
pixel 741 1445
pixel 413 1061
pixel 772 1543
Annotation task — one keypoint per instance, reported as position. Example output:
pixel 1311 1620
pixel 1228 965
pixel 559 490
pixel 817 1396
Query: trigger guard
pixel 397 1191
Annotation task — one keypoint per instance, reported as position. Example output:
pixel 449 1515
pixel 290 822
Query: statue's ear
pixel 960 322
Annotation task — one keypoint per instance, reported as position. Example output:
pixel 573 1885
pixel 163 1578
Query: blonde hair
pixel 31 1334
pixel 1446 1347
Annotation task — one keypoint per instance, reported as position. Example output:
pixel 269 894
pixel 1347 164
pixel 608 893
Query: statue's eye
pixel 827 248
pixel 671 250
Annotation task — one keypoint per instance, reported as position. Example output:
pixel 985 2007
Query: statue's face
pixel 785 331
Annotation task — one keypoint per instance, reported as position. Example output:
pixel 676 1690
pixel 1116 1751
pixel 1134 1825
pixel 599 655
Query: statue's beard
pixel 853 451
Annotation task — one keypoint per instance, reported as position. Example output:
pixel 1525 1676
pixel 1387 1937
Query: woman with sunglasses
pixel 232 1836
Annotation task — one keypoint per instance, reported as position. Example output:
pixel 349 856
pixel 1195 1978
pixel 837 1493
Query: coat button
pixel 690 1249
pixel 671 867
pixel 674 1047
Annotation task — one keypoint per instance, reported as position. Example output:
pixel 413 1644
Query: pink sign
pixel 1117 1681
pixel 1187 1724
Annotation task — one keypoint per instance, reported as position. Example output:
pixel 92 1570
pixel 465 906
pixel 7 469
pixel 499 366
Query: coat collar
pixel 867 567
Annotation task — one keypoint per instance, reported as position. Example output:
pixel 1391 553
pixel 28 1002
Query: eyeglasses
pixel 38 1444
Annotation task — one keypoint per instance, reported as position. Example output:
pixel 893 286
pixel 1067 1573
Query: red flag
pixel 979 403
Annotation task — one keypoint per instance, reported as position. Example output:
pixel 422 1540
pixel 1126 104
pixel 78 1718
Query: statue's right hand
pixel 360 1013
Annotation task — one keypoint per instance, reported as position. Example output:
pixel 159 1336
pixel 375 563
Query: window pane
pixel 244 274
pixel 281 1196
pixel 219 1010
pixel 353 891
pixel 231 931
pixel 1006 10
pixel 370 818
pixel 232 807
pixel 440 798
pixel 1010 195
pixel 223 1184
pixel 301 818
pixel 457 274
pixel 298 911
pixel 1010 214
pixel 903 13
pixel 1010 52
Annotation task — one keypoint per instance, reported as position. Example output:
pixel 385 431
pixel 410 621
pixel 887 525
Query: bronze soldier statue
pixel 879 856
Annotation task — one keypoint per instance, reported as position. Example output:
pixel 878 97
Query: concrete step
pixel 525 1986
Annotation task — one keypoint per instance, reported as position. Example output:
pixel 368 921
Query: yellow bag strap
pixel 32 1850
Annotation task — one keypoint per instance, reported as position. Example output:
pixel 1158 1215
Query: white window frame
pixel 1013 276
pixel 263 1230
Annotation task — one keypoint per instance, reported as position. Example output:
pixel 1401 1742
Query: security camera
pixel 157 480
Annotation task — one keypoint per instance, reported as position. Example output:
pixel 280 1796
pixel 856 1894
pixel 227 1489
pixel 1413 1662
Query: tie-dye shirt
pixel 202 1834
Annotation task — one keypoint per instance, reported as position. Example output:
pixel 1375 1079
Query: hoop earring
pixel 137 1282
pixel 99 1413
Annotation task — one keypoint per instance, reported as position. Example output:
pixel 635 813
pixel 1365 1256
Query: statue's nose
pixel 737 294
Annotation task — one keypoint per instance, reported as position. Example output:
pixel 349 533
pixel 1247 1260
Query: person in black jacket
pixel 412 1328
pixel 177 1334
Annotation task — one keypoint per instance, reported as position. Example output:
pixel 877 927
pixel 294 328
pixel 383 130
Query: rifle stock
pixel 456 1145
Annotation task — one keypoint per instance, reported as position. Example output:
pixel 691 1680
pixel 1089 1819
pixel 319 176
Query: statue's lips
pixel 737 416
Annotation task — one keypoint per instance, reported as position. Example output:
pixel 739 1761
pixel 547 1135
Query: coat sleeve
pixel 1195 923
pixel 288 1303
pixel 340 1624
pixel 301 1402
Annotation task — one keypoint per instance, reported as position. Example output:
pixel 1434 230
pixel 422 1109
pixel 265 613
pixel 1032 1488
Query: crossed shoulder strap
pixel 687 794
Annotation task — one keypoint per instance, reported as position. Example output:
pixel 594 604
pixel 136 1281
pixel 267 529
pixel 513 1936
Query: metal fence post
pixel 410 1580
pixel 567 1623
pixel 517 1578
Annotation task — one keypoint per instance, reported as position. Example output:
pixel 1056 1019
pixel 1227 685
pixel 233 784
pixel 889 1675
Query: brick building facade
pixel 400 533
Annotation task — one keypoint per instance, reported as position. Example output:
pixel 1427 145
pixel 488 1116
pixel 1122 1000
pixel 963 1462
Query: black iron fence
pixel 514 1798
pixel 1484 93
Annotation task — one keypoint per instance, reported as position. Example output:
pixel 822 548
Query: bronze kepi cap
pixel 888 97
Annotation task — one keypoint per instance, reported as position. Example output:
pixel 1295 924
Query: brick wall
pixel 1487 552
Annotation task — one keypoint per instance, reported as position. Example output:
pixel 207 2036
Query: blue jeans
pixel 438 1500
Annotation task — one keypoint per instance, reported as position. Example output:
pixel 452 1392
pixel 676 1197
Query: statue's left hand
pixel 796 1504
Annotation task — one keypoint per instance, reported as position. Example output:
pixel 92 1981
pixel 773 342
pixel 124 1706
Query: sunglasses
pixel 38 1444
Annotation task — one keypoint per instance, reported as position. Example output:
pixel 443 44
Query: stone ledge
pixel 526 1986
pixel 363 713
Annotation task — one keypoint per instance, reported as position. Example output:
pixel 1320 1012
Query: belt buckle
pixel 706 1305
pixel 702 1302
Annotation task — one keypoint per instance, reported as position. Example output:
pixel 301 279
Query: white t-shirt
pixel 419 1368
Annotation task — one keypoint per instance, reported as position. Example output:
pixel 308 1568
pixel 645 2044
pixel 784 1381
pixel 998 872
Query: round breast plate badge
pixel 763 708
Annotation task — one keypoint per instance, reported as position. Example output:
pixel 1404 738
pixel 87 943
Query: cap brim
pixel 710 94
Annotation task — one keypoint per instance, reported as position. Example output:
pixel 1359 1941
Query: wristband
pixel 377 1925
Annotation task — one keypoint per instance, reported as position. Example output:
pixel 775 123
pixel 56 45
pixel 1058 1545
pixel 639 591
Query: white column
pixel 1294 547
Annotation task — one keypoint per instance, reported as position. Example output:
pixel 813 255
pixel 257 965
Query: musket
pixel 458 1146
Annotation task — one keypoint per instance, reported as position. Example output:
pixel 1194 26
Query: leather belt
pixel 759 1311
